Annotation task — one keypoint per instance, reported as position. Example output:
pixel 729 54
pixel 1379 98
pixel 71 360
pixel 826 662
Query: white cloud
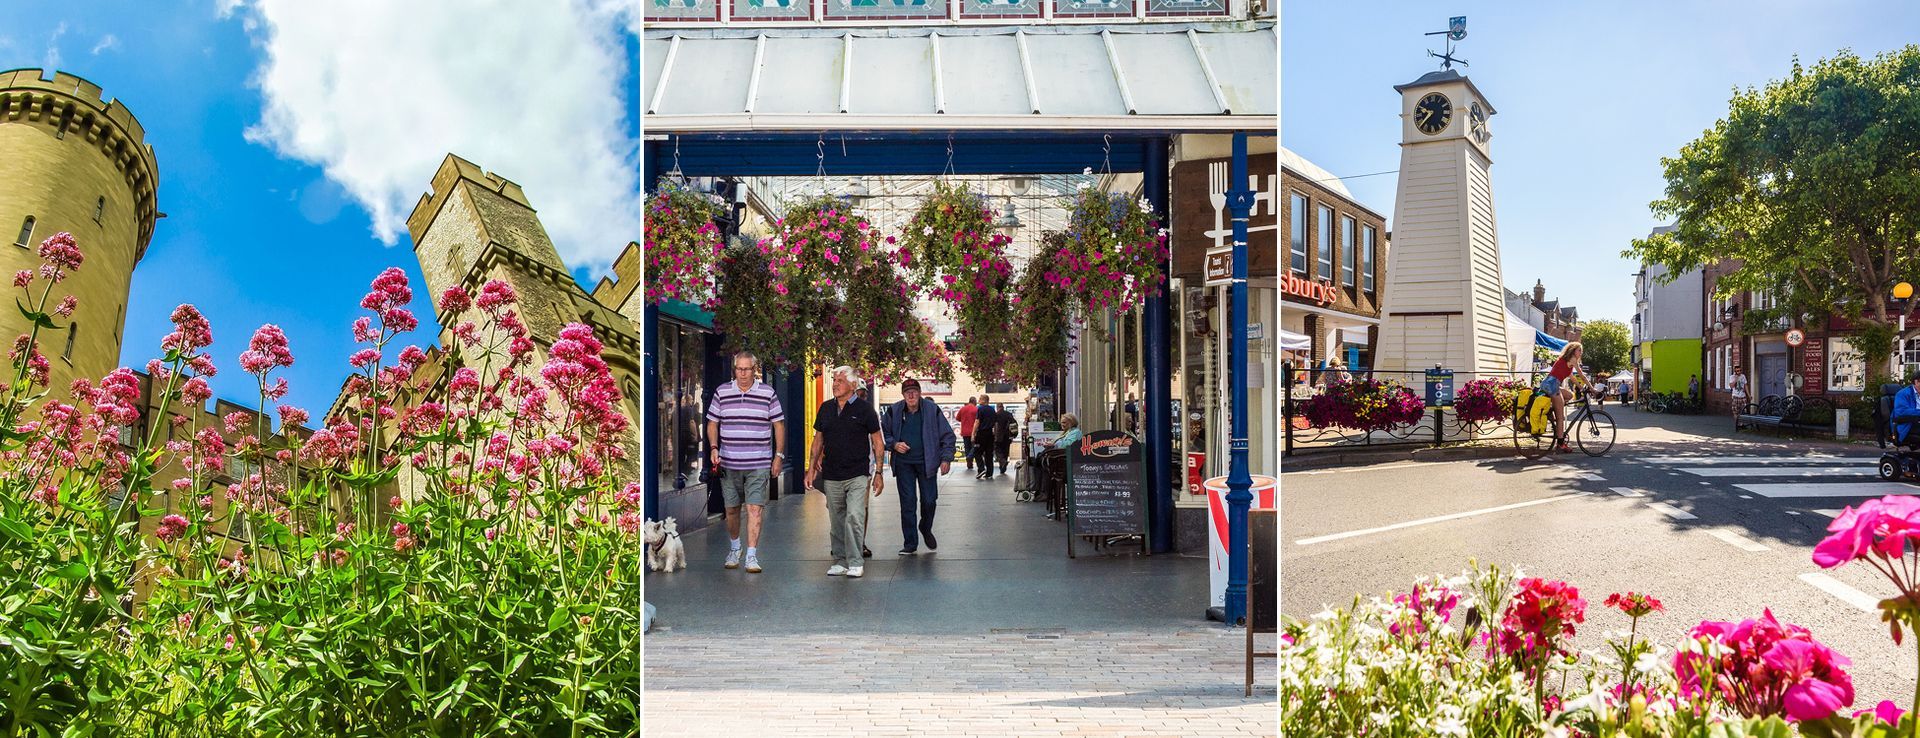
pixel 52 60
pixel 377 93
pixel 106 43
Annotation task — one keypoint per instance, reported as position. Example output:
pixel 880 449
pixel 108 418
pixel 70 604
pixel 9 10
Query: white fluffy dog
pixel 665 552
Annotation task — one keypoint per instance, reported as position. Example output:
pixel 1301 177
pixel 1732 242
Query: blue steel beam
pixel 1159 389
pixel 650 366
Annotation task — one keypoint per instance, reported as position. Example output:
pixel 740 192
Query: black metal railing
pixel 1438 425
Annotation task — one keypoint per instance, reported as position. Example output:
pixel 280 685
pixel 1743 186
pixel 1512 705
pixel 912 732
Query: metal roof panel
pixel 712 79
pixel 1164 74
pixel 892 75
pixel 802 75
pixel 982 75
pixel 1246 65
pixel 1074 76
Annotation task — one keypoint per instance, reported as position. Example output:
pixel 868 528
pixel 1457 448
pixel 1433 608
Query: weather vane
pixel 1456 30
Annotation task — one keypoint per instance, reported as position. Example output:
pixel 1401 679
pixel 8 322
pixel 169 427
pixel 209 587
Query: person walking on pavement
pixel 1739 396
pixel 1003 433
pixel 918 434
pixel 846 441
pixel 983 439
pixel 966 418
pixel 747 431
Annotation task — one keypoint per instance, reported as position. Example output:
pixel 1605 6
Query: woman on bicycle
pixel 1563 368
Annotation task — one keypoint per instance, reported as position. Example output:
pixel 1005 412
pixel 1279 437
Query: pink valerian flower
pixel 267 350
pixel 412 357
pixel 25 350
pixel 388 297
pixel 455 300
pixel 61 254
pixel 237 421
pixel 364 358
pixel 495 295
pixel 172 527
pixel 291 416
pixel 66 306
pixel 23 278
pixel 464 384
pixel 1540 620
pixel 191 332
pixel 1762 668
pixel 629 523
pixel 196 391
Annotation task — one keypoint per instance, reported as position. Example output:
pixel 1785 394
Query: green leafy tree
pixel 1606 342
pixel 1811 187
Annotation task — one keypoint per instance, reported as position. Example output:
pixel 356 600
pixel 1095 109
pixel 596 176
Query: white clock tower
pixel 1444 303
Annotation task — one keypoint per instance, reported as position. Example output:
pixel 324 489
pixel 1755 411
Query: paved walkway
pixel 999 633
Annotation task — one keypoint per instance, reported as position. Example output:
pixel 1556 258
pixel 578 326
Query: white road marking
pixel 1793 512
pixel 1744 497
pixel 1782 471
pixel 1382 467
pixel 1628 492
pixel 1436 519
pixel 1837 588
pixel 1736 540
pixel 1735 460
pixel 1591 477
pixel 1828 513
pixel 1671 511
pixel 1831 489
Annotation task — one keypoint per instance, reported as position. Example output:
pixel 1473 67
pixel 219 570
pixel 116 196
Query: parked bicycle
pixel 1590 428
pixel 1677 403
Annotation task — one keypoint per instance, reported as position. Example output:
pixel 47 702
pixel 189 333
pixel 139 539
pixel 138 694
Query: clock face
pixel 1432 114
pixel 1477 120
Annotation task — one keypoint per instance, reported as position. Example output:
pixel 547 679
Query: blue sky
pixel 1590 97
pixel 293 138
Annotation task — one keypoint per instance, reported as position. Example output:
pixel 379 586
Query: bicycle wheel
pixel 1531 445
pixel 1594 432
pixel 1658 404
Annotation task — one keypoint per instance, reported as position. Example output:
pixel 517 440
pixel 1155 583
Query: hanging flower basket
pixel 756 312
pixel 950 245
pixel 1114 252
pixel 875 330
pixel 1364 405
pixel 818 243
pixel 1486 399
pixel 1043 314
pixel 682 245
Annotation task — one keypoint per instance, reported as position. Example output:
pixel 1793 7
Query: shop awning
pixel 1542 339
pixel 1156 76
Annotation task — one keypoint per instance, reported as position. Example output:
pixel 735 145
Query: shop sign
pixel 1321 292
pixel 1813 366
pixel 1439 388
pixel 1796 337
pixel 1256 331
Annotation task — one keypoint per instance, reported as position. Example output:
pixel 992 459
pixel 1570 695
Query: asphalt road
pixel 1717 526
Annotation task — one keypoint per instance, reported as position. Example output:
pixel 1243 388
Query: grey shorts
pixel 749 486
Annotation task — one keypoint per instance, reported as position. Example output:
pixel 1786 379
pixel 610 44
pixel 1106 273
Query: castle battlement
pixel 452 170
pixel 72 105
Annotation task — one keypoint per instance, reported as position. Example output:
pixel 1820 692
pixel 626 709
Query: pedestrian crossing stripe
pixel 1829 489
pixel 1782 471
pixel 1737 460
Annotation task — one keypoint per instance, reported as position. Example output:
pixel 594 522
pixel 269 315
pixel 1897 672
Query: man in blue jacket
pixel 1906 409
pixel 918 435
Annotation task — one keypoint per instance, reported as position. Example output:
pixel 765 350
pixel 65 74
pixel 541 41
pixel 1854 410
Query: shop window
pixel 1298 234
pixel 26 233
pixel 1908 356
pixel 1346 251
pixel 1366 259
pixel 1323 230
pixel 1846 368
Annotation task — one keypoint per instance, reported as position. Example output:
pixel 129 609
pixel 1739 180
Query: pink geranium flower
pixel 1762 667
pixel 1880 526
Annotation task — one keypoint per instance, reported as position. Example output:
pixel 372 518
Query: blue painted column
pixel 650 367
pixel 1239 479
pixel 1159 389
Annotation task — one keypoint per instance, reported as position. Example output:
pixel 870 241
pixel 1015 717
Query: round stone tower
pixel 76 163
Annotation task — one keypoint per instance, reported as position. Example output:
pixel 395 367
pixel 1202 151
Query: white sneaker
pixel 836 570
pixel 733 558
pixel 856 572
pixel 753 564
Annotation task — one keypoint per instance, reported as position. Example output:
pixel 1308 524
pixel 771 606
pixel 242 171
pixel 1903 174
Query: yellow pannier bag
pixel 1536 412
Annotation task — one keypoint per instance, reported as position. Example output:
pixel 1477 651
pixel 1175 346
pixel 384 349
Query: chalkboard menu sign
pixel 1263 536
pixel 1106 487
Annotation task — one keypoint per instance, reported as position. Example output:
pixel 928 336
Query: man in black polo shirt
pixel 846 439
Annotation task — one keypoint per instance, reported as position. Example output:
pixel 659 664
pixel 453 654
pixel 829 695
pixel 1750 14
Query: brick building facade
pixel 1334 266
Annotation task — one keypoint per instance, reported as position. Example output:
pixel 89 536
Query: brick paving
pixel 1177 682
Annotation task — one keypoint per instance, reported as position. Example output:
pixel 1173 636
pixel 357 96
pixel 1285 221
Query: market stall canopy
pixel 1159 76
pixel 1290 341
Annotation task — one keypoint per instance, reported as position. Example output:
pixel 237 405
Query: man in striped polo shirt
pixel 746 430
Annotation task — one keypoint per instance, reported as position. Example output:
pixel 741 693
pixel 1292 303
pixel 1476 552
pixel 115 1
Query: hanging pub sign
pixel 1203 224
pixel 1106 488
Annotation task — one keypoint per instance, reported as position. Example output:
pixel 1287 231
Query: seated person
pixel 1906 412
pixel 1072 424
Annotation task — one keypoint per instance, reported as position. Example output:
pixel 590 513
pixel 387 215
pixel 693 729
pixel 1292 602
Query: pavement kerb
pixel 1325 460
